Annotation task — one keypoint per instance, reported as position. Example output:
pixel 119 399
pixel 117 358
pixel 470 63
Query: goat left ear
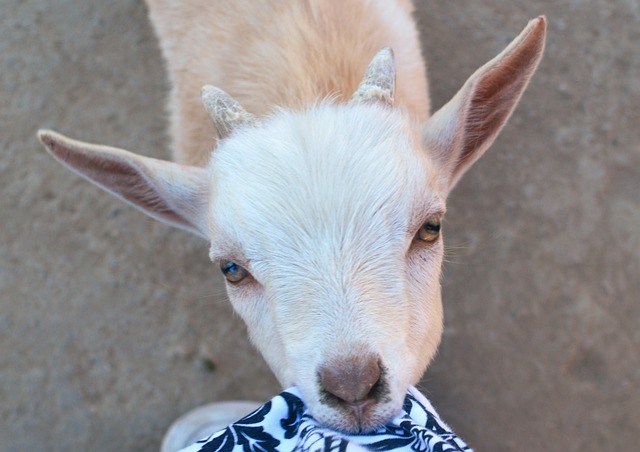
pixel 169 192
pixel 461 131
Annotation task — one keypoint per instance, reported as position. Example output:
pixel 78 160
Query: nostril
pixel 351 379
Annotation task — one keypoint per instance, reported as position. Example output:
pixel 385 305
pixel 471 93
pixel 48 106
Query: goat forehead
pixel 332 174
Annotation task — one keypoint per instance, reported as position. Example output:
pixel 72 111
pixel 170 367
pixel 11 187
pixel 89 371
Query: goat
pixel 325 193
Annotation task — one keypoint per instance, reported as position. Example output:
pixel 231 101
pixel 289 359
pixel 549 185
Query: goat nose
pixel 352 379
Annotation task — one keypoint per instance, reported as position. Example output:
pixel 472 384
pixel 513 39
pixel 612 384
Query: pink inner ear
pixel 124 178
pixel 499 90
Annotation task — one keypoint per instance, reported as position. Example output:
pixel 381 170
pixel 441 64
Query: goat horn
pixel 379 80
pixel 225 112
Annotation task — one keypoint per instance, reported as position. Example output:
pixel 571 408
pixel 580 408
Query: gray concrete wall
pixel 112 325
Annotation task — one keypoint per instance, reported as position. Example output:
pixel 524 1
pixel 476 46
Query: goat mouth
pixel 359 418
pixel 362 416
pixel 361 413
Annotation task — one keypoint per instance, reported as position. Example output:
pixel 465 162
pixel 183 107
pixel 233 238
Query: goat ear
pixel 172 193
pixel 461 131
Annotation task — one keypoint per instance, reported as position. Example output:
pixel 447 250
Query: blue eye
pixel 233 272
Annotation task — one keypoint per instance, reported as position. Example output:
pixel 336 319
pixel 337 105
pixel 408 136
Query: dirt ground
pixel 112 325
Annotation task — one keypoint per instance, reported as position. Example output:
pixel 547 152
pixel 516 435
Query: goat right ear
pixel 172 193
pixel 461 131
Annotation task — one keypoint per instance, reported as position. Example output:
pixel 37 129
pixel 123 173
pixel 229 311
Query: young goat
pixel 324 196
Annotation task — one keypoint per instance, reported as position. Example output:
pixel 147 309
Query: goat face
pixel 327 224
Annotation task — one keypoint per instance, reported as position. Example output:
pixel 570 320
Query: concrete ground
pixel 112 325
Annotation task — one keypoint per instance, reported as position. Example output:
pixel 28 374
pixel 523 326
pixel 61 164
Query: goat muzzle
pixel 352 381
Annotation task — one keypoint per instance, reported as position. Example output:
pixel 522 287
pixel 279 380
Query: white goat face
pixel 328 224
pixel 323 209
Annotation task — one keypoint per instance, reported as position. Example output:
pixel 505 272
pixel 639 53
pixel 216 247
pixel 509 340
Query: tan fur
pixel 285 53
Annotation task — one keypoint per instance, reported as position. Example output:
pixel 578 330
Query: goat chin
pixel 325 193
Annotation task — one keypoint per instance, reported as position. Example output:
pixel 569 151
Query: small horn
pixel 225 112
pixel 378 83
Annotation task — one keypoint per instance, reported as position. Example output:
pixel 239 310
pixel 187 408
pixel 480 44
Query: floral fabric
pixel 284 424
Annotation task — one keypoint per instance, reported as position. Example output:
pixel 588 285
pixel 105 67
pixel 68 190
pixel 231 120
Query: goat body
pixel 324 197
pixel 274 53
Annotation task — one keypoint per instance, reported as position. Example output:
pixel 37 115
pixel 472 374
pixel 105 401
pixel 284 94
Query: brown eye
pixel 430 230
pixel 233 272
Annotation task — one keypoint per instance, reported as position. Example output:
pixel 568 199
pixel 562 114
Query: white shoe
pixel 204 421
